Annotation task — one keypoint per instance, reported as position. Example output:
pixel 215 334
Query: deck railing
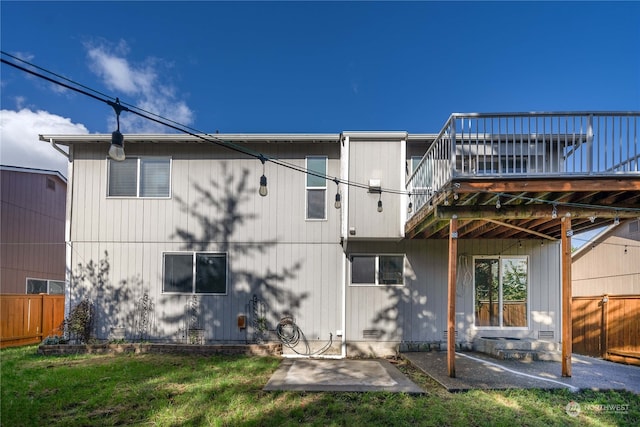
pixel 524 145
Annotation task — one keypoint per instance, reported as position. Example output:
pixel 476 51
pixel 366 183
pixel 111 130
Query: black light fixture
pixel 410 206
pixel 116 150
pixel 338 203
pixel 263 179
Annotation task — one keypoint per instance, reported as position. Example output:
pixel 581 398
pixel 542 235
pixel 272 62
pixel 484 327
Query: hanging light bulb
pixel 263 186
pixel 338 203
pixel 263 179
pixel 498 204
pixel 616 221
pixel 116 150
pixel 380 203
pixel 410 205
pixel 554 212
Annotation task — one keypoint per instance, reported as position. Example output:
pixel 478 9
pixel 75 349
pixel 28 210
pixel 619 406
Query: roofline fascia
pixel 25 169
pixel 200 138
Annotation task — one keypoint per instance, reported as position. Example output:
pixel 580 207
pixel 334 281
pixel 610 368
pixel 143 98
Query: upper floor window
pixel 316 187
pixel 195 273
pixel 140 177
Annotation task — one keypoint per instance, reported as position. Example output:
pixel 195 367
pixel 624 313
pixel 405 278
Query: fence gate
pixel 607 326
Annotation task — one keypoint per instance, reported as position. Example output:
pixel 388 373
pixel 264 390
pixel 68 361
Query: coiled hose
pixel 290 335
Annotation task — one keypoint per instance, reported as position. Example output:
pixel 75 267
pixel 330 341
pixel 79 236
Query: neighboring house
pixel 609 263
pixel 483 204
pixel 32 234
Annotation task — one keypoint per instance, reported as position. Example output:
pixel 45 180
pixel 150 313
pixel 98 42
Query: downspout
pixel 57 148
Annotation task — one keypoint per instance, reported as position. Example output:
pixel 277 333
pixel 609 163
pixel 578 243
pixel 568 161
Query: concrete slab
pixel 478 371
pixel 346 375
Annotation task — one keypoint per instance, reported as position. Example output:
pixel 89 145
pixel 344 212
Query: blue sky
pixel 310 67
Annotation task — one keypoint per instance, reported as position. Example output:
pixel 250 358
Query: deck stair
pixel 523 349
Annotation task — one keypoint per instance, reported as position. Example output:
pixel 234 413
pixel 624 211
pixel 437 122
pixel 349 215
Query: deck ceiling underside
pixel 526 207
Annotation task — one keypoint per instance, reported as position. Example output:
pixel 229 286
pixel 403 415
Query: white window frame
pixel 501 327
pixel 26 291
pixel 138 169
pixel 313 188
pixel 377 268
pixel 194 272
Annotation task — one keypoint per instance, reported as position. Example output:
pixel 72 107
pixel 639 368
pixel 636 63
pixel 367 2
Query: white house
pixel 455 234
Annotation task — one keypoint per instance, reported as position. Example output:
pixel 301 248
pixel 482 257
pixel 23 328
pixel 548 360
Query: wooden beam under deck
pixel 565 184
pixel 486 212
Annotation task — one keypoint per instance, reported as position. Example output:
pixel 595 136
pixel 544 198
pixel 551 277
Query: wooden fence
pixel 28 319
pixel 607 326
pixel 514 313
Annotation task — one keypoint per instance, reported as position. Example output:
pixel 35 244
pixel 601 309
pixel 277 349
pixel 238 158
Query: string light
pixel 263 191
pixel 116 150
pixel 338 202
pixel 380 203
pixel 410 205
pixel 554 212
pixel 116 139
pixel 498 204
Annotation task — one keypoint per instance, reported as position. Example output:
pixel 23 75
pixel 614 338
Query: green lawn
pixel 168 390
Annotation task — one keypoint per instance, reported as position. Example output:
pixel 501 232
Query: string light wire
pixel 204 136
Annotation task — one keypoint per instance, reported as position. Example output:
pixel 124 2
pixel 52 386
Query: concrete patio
pixel 479 371
pixel 473 371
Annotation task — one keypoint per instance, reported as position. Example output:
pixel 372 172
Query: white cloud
pixel 142 85
pixel 21 146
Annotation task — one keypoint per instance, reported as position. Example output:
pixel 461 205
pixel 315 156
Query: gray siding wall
pixel 293 265
pixel 611 266
pixel 384 161
pixel 32 229
pixel 417 311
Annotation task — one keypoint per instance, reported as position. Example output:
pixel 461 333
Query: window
pixel 195 273
pixel 41 286
pixel 316 187
pixel 140 177
pixel 501 291
pixel 377 270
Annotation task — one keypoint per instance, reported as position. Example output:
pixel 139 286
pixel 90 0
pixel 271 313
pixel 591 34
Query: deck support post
pixel 567 232
pixel 451 313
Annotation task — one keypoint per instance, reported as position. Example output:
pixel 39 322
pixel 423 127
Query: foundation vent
pixel 545 335
pixel 371 334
